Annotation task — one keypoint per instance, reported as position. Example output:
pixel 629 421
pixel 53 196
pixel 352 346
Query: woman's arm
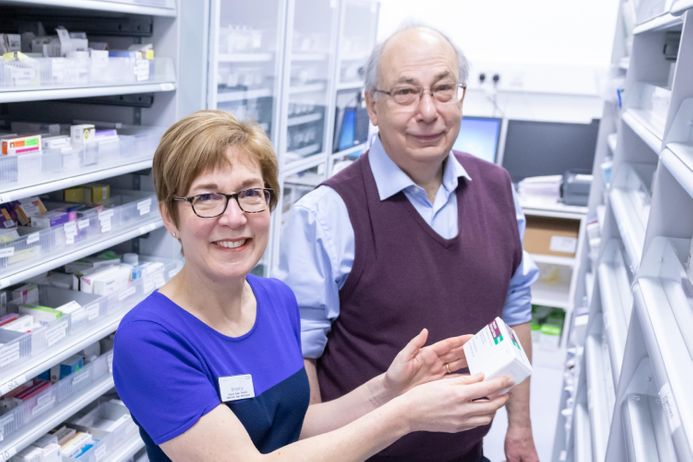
pixel 448 405
pixel 415 364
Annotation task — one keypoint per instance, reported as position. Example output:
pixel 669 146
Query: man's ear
pixel 168 221
pixel 370 106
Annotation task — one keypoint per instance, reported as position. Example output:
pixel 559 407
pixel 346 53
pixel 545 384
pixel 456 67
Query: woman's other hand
pixel 416 364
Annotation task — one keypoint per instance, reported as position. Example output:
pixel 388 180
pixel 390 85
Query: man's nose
pixel 427 107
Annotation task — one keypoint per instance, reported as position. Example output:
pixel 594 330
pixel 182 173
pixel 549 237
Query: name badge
pixel 235 387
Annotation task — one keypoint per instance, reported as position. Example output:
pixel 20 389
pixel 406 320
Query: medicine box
pixel 551 236
pixel 495 351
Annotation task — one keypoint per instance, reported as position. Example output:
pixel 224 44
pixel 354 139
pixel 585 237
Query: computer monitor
pixel 480 137
pixel 534 148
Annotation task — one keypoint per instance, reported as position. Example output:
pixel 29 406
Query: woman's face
pixel 230 245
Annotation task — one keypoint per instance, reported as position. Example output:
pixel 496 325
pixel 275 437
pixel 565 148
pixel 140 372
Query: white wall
pixel 553 46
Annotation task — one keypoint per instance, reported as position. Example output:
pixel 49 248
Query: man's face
pixel 422 132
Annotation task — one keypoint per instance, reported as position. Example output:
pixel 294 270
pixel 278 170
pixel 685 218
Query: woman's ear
pixel 168 221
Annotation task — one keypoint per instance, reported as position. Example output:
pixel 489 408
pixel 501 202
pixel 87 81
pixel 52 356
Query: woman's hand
pixel 456 403
pixel 417 364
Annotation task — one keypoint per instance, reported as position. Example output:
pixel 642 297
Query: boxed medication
pixel 495 351
pixel 21 145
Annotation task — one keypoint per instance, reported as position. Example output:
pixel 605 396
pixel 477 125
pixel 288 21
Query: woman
pixel 210 365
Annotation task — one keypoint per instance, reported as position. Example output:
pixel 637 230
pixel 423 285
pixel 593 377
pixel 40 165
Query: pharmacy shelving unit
pixel 144 108
pixel 558 291
pixel 326 43
pixel 626 391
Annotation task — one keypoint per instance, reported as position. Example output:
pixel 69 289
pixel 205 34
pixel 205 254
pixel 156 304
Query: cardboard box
pixel 551 236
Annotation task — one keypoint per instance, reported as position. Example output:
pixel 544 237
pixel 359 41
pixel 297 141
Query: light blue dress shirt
pixel 317 245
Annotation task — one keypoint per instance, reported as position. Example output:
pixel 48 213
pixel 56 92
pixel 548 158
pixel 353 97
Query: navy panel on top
pixel 167 364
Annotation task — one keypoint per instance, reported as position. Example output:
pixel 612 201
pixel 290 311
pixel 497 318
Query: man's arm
pixel 519 443
pixel 517 312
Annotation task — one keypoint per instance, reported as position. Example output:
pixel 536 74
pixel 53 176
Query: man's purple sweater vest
pixel 406 277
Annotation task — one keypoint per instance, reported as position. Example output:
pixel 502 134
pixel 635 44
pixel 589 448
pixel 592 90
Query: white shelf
pixel 662 22
pixel 245 57
pixel 154 8
pixel 678 159
pixel 349 85
pixel 616 302
pixel 308 88
pixel 304 119
pixel 640 123
pixel 358 150
pixel 550 207
pixel 582 443
pixel 232 96
pixel 309 150
pixel 303 163
pixel 320 56
pixel 63 411
pixel 19 94
pixel 639 430
pixel 629 220
pixel 599 407
pixel 680 6
pixel 126 450
pixel 553 260
pixel 33 268
pixel 667 347
pixel 555 295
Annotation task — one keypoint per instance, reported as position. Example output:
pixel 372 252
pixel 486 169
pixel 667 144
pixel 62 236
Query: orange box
pixel 551 236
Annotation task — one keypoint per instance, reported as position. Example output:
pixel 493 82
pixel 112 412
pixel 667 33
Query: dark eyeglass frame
pixel 267 193
pixel 423 90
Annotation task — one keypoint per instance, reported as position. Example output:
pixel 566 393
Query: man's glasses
pixel 211 205
pixel 409 95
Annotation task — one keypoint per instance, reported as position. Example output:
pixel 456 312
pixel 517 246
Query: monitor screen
pixel 534 148
pixel 479 136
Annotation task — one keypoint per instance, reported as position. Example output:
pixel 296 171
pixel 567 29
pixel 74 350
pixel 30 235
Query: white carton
pixel 495 351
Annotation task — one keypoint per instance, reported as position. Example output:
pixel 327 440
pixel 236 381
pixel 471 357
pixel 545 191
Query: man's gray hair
pixel 373 64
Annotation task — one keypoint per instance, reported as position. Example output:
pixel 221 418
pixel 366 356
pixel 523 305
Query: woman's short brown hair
pixel 198 143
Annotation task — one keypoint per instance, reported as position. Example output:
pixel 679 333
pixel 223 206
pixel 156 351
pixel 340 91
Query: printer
pixel 575 187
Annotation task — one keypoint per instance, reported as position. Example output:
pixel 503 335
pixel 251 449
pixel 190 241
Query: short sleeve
pixel 160 379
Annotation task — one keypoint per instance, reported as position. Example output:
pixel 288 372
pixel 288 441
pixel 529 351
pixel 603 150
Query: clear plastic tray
pixel 31 169
pixel 124 209
pixel 33 408
pixel 16 346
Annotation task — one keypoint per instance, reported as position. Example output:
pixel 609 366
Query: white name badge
pixel 235 387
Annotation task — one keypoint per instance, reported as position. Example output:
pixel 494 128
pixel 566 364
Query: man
pixel 410 236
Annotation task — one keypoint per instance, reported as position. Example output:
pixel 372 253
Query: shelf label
pixel 100 452
pixel 563 244
pixel 80 378
pixel 6 252
pixel 669 407
pixel 56 333
pixel 42 403
pixel 93 311
pixel 144 206
pixel 70 232
pixel 11 385
pixel 8 354
pixel 83 223
pixel 7 453
pixel 33 237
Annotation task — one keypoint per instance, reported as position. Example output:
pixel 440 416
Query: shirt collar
pixel 390 179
